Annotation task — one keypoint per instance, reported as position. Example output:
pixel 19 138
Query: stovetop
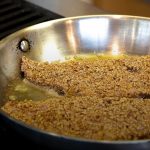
pixel 18 14
pixel 15 15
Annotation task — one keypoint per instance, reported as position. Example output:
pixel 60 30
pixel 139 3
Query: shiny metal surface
pixel 113 35
pixel 24 45
pixel 105 34
pixel 58 39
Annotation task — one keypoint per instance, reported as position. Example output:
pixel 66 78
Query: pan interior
pixel 79 36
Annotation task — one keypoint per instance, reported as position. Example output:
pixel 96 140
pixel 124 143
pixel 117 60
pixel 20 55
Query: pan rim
pixel 50 22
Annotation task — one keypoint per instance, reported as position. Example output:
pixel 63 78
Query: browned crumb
pixel 109 99
pixel 123 77
pixel 87 116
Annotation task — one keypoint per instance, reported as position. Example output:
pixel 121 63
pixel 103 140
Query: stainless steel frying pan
pixel 55 40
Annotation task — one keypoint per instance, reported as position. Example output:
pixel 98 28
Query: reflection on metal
pixel 50 52
pixel 71 36
pixel 143 32
pixel 115 49
pixel 94 32
pixel 116 16
pixel 24 45
pixel 94 28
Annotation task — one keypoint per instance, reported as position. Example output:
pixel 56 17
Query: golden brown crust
pixel 105 99
pixel 87 117
pixel 122 77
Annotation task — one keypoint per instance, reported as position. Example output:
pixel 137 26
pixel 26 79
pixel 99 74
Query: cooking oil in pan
pixel 24 90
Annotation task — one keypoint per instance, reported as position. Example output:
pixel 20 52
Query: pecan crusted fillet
pixel 103 99
pixel 86 117
pixel 123 77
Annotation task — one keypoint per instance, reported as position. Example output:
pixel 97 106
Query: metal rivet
pixel 24 45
